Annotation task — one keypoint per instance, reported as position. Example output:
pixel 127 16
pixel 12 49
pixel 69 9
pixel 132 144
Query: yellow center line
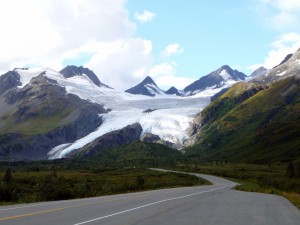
pixel 60 209
pixel 44 211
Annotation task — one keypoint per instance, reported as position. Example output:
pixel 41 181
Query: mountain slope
pixel 137 152
pixel 41 115
pixel 8 81
pixel 41 111
pixel 147 87
pixel 262 129
pixel 216 79
pixel 110 140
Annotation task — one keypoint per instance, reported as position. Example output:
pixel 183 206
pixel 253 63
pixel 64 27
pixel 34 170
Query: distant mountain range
pixel 216 79
pixel 223 77
pixel 223 115
pixel 255 122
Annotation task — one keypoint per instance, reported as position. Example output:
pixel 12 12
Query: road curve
pixel 208 205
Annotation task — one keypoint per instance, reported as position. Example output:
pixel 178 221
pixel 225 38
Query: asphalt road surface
pixel 217 204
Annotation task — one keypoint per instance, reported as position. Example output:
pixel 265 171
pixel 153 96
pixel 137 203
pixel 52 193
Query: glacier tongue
pixel 169 121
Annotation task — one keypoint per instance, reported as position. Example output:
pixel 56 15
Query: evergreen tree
pixel 7 178
pixel 290 170
pixel 297 169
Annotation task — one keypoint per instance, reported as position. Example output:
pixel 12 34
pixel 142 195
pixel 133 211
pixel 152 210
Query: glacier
pixel 171 118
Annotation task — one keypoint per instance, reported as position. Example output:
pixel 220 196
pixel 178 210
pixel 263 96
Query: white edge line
pixel 153 203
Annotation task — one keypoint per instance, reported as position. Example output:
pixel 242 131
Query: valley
pixel 83 127
pixel 150 112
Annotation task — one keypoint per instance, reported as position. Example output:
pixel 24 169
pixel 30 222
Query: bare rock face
pixel 152 138
pixel 8 81
pixel 110 140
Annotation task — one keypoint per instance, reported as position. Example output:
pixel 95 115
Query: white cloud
pixel 283 5
pixel 144 17
pixel 36 31
pixel 281 14
pixel 121 63
pixel 172 49
pixel 167 81
pixel 284 45
pixel 50 32
pixel 166 68
pixel 165 76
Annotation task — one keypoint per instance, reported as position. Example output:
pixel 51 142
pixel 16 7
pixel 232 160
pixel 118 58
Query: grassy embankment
pixel 271 179
pixel 263 128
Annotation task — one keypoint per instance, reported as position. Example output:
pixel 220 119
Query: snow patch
pixel 211 91
pixel 154 90
pixel 281 74
pixel 28 74
pixel 225 75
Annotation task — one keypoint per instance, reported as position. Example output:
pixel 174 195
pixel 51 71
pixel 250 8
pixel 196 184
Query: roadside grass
pixel 271 178
pixel 255 187
pixel 61 184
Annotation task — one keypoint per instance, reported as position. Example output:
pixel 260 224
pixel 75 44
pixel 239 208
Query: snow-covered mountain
pixel 223 77
pixel 290 66
pixel 169 117
pixel 37 114
pixel 57 112
pixel 71 71
pixel 45 113
pixel 147 87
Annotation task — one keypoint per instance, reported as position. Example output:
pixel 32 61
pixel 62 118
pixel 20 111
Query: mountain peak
pixel 218 78
pixel 148 80
pixel 226 67
pixel 173 88
pixel 146 87
pixel 71 71
pixel 259 72
pixel 173 91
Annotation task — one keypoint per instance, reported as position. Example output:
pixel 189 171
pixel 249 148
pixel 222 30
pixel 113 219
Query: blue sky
pixel 212 33
pixel 174 41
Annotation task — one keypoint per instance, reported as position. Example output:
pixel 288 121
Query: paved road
pixel 217 204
